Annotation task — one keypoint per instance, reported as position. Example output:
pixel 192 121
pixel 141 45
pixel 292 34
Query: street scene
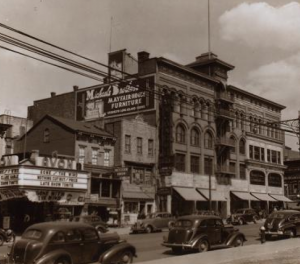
pixel 149 131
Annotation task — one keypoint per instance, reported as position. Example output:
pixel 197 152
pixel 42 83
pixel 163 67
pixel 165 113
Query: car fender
pixel 50 257
pixel 233 236
pixel 195 240
pixel 115 251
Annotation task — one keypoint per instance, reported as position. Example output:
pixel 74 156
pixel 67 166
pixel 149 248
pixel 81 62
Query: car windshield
pixel 239 211
pixel 277 215
pixel 34 234
pixel 149 216
pixel 183 223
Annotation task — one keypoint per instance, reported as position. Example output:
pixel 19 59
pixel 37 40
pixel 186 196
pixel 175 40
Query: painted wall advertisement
pixel 115 99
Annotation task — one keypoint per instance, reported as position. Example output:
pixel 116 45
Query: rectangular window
pixel 256 153
pixel 208 163
pixel 251 155
pixel 242 171
pixel 232 167
pixel 195 164
pixel 150 147
pixel 269 155
pixel 95 156
pixel 274 156
pixel 105 188
pixel 139 145
pixel 106 157
pixel 81 156
pixel 262 154
pixel 127 144
pixel 278 157
pixel 130 207
pixel 180 162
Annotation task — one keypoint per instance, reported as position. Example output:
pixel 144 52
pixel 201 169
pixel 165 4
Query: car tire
pixel 240 221
pixel 149 229
pixel 126 257
pixel 291 233
pixel 62 261
pixel 203 245
pixel 12 238
pixel 101 229
pixel 176 250
pixel 1 240
pixel 238 241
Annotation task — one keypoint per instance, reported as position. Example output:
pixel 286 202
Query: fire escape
pixel 224 117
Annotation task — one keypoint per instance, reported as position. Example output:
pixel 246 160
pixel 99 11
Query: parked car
pixel 153 222
pixel 69 243
pixel 202 233
pixel 93 220
pixel 285 223
pixel 243 216
pixel 207 212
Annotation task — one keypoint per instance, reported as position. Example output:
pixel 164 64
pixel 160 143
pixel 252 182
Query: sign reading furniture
pixel 115 99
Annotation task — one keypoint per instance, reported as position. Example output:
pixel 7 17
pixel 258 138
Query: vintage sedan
pixel 93 220
pixel 202 233
pixel 69 243
pixel 243 216
pixel 153 222
pixel 284 223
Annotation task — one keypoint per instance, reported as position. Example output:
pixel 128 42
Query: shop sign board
pixel 43 177
pixel 121 171
pixel 115 99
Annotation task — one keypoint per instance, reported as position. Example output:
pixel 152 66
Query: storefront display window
pixel 131 207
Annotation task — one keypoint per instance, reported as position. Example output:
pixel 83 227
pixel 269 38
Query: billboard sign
pixel 115 99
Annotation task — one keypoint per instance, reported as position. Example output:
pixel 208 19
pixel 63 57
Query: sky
pixel 260 38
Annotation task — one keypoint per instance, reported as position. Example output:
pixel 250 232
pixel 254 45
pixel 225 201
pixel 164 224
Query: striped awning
pixel 189 194
pixel 263 197
pixel 245 196
pixel 281 198
pixel 215 195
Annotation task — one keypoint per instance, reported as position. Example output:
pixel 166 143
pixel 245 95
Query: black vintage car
pixel 69 243
pixel 284 223
pixel 243 216
pixel 93 220
pixel 201 233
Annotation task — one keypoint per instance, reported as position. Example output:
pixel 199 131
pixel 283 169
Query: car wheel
pixel 291 233
pixel 11 238
pixel 149 229
pixel 62 261
pixel 101 229
pixel 241 221
pixel 203 245
pixel 126 257
pixel 176 250
pixel 238 242
pixel 1 240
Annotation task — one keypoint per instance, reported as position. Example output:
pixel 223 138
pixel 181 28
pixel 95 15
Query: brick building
pixel 216 146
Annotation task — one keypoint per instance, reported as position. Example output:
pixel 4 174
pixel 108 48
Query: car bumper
pixel 274 233
pixel 138 229
pixel 174 245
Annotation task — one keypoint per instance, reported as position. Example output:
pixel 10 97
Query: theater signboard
pixel 115 99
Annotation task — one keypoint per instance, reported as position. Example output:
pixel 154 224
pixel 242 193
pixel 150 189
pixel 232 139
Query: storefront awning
pixel 245 196
pixel 189 194
pixel 215 195
pixel 263 197
pixel 281 198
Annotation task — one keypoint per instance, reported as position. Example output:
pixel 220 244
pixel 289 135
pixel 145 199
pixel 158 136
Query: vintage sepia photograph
pixel 149 131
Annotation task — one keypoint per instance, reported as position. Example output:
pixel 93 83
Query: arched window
pixel 46 135
pixel 232 141
pixel 274 180
pixel 180 134
pixel 242 147
pixel 208 140
pixel 195 137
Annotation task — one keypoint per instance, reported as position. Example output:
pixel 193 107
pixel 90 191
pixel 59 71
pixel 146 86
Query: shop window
pixel 180 162
pixel 195 168
pixel 150 147
pixel 127 144
pixel 131 207
pixel 180 134
pixel 139 146
pixel 46 135
pixel 257 178
pixel 275 180
pixel 195 137
pixel 105 188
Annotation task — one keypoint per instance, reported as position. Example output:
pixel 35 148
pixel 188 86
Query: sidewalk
pixel 120 230
pixel 275 252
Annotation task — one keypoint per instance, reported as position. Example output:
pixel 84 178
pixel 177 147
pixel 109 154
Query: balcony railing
pixel 225 114
pixel 225 97
pixel 225 169
pixel 225 142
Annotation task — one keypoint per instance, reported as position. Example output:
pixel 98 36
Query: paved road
pixel 149 245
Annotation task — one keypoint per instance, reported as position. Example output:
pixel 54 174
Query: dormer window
pixel 46 135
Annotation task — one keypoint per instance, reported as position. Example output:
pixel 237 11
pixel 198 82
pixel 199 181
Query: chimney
pixel 75 88
pixel 53 94
pixel 143 55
